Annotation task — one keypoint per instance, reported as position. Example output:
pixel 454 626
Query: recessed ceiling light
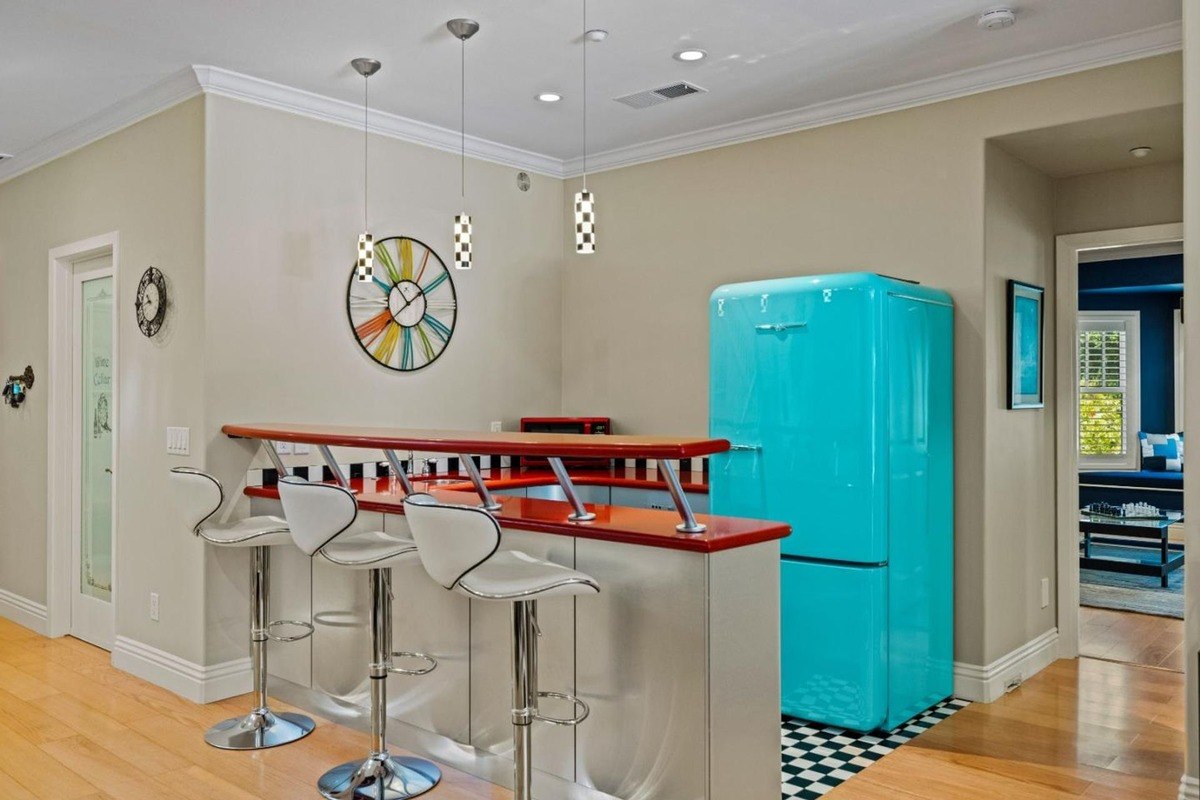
pixel 1140 152
pixel 995 19
pixel 596 35
pixel 549 97
pixel 4 156
pixel 691 55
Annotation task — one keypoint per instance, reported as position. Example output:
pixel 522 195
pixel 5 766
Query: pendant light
pixel 463 29
pixel 585 201
pixel 366 243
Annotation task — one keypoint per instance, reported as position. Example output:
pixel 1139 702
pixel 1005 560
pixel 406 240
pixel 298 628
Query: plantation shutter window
pixel 1108 360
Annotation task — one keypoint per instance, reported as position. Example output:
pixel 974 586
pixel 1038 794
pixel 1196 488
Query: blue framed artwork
pixel 1025 316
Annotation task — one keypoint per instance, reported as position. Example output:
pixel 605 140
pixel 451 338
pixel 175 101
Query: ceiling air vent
pixel 652 97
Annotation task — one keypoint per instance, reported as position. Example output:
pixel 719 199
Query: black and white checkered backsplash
pixel 816 758
pixel 689 469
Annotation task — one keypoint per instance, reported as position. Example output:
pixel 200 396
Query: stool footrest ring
pixel 307 626
pixel 582 709
pixel 430 660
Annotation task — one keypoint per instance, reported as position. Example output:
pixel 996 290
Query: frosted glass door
pixel 91 607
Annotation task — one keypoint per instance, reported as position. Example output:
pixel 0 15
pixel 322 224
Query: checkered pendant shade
pixel 366 257
pixel 462 241
pixel 585 223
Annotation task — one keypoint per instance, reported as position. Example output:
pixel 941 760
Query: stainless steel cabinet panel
pixel 588 494
pixel 656 498
pixel 641 656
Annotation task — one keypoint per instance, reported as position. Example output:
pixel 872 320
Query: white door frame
pixel 60 448
pixel 1068 247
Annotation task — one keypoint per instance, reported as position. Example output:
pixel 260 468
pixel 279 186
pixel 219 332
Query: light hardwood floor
pixel 1131 638
pixel 74 728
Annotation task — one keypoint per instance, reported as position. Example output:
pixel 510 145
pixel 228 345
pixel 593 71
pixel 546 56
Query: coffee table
pixel 1170 557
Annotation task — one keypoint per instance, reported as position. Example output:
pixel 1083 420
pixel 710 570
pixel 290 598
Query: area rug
pixel 1141 594
pixel 816 758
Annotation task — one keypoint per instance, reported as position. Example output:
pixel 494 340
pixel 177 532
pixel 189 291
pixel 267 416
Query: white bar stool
pixel 199 496
pixel 319 514
pixel 460 549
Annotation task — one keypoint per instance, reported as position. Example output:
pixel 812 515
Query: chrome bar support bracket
pixel 481 489
pixel 579 513
pixel 398 470
pixel 689 524
pixel 269 446
pixel 334 467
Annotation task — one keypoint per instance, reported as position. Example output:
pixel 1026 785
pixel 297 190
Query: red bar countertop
pixel 640 526
pixel 482 443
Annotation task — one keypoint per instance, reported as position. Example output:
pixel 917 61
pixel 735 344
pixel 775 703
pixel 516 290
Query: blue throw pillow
pixel 1161 452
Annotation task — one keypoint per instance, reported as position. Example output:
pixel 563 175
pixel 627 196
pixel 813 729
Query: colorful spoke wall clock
pixel 404 316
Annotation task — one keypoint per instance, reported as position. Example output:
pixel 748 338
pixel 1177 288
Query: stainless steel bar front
pixel 579 514
pixel 269 446
pixel 334 467
pixel 689 524
pixel 481 489
pixel 398 470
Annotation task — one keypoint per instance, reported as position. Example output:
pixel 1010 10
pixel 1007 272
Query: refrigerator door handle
pixel 745 447
pixel 780 327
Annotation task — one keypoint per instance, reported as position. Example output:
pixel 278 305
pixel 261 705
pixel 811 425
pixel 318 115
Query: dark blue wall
pixel 1154 287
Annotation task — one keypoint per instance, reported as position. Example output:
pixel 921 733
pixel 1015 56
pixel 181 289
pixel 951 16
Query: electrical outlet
pixel 1045 592
pixel 178 441
pixel 497 426
pixel 154 606
pixel 283 448
pixel 301 449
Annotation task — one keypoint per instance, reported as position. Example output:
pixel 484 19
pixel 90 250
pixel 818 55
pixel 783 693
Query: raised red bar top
pixel 507 443
pixel 640 526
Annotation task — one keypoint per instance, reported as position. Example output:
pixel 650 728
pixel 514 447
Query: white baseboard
pixel 23 611
pixel 1189 788
pixel 188 680
pixel 985 684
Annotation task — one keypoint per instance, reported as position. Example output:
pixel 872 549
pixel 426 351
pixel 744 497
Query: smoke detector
pixel 652 97
pixel 997 18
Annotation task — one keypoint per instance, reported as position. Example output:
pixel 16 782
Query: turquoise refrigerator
pixel 836 393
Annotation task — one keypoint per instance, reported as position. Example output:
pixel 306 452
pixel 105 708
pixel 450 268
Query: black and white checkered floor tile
pixel 816 758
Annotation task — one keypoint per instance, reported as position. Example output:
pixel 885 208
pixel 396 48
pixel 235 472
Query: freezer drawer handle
pixel 779 327
pixel 746 447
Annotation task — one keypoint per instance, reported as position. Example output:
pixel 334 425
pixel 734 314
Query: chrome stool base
pixel 380 777
pixel 259 730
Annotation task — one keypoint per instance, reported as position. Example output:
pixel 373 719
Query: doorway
pixel 82 441
pixel 1105 364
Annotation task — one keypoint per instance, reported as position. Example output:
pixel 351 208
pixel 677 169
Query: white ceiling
pixel 62 61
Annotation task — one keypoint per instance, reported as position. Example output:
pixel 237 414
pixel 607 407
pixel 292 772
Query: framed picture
pixel 1025 315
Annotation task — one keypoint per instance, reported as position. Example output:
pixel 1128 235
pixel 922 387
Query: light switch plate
pixel 497 426
pixel 179 441
pixel 283 448
pixel 301 449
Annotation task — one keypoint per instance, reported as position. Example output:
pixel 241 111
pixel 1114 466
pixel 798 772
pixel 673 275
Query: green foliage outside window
pixel 1101 413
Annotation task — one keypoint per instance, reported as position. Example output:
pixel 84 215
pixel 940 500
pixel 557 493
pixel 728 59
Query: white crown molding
pixel 1189 788
pixel 222 82
pixel 166 93
pixel 23 611
pixel 1154 41
pixel 986 684
pixel 201 78
pixel 191 681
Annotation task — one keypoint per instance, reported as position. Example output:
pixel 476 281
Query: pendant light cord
pixel 366 126
pixel 585 94
pixel 462 126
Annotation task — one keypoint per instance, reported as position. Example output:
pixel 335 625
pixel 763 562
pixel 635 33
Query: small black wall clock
pixel 151 301
pixel 404 316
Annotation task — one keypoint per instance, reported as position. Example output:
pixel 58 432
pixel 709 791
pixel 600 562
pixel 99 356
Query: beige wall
pixel 147 183
pixel 1123 198
pixel 1191 278
pixel 1019 456
pixel 283 216
pixel 901 193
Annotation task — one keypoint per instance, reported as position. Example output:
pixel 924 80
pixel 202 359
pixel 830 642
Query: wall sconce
pixel 17 386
